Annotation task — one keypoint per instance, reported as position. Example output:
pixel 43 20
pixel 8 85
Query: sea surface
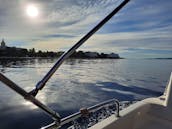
pixel 77 83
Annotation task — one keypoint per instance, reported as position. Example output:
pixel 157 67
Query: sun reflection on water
pixel 80 83
pixel 28 104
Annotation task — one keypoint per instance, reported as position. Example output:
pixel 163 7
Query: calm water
pixel 78 83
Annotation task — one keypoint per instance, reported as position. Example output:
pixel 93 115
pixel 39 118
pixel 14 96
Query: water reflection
pixel 78 83
pixel 29 105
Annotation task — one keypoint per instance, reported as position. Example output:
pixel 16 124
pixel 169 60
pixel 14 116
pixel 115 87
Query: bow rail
pixel 85 112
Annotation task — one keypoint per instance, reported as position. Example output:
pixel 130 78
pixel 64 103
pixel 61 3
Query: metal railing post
pixel 79 114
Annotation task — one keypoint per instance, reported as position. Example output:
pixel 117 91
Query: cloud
pixel 57 36
pixel 140 39
pixel 142 24
pixel 52 44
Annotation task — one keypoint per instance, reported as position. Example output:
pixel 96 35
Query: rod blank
pixel 61 59
pixel 29 97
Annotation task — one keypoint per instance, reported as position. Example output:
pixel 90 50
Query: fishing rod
pixel 31 95
pixel 62 58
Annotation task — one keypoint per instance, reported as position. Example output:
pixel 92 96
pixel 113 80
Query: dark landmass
pixel 169 58
pixel 13 52
pixel 164 58
pixel 86 55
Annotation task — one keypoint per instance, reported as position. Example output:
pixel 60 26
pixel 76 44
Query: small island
pixel 14 52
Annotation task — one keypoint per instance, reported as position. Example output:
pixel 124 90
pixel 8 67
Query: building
pixel 6 51
pixel 3 45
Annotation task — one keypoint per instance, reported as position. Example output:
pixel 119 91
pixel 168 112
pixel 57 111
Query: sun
pixel 32 11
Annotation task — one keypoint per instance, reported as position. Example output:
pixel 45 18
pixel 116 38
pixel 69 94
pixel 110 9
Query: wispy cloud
pixel 142 24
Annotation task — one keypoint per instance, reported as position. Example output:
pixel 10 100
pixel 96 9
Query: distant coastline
pixel 14 52
pixel 165 58
pixel 76 55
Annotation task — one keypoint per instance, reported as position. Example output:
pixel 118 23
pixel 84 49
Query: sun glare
pixel 32 11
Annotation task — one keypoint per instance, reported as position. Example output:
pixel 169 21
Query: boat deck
pixel 141 115
pixel 156 118
pixel 156 123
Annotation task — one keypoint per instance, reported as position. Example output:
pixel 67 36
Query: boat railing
pixel 85 112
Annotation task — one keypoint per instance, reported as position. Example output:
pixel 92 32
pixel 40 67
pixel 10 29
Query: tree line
pixel 21 52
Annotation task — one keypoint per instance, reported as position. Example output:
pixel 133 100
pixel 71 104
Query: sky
pixel 142 29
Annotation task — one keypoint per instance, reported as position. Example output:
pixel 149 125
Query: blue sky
pixel 143 28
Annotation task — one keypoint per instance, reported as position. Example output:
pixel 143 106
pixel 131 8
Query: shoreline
pixel 53 58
